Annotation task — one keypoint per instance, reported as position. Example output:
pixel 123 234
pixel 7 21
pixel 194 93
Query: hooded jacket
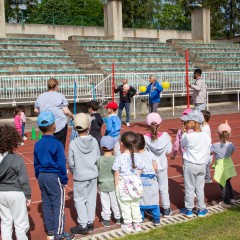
pixel 154 90
pixel 13 175
pixel 82 158
pixel 159 148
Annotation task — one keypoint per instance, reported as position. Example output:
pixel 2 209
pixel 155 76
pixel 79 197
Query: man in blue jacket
pixel 153 89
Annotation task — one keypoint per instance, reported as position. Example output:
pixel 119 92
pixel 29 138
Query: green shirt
pixel 105 174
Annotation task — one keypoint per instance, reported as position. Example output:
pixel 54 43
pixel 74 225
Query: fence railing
pixel 25 89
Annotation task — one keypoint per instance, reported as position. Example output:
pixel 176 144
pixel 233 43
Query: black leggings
pixel 62 135
pixel 227 192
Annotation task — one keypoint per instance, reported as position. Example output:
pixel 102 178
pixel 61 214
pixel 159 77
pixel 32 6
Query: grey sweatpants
pixel 13 210
pixel 85 194
pixel 162 177
pixel 194 181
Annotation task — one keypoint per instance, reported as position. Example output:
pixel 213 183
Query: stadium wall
pixel 63 32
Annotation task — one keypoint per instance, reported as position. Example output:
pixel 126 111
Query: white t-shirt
pixel 206 128
pixel 197 145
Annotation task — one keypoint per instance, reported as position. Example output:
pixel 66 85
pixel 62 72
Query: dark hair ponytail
pixel 154 131
pixel 224 136
pixel 129 140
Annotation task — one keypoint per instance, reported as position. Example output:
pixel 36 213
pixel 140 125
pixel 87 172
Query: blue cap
pixel 194 115
pixel 107 142
pixel 45 119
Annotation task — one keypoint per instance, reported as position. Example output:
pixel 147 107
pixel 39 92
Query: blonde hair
pixel 224 136
pixel 154 130
pixel 52 83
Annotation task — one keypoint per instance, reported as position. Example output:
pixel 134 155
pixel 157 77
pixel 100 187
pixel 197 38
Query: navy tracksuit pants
pixel 53 202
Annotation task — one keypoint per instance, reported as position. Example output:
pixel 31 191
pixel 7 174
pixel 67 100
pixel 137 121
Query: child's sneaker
pixel 79 229
pixel 105 223
pixel 119 221
pixel 167 212
pixel 232 201
pixel 202 213
pixel 65 236
pixel 137 227
pixel 156 221
pixel 127 228
pixel 224 205
pixel 186 213
pixel 90 226
pixel 24 138
pixel 50 235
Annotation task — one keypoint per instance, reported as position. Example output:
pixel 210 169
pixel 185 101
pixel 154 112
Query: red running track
pixel 176 187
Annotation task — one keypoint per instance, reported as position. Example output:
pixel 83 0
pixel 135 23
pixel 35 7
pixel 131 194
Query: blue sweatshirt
pixel 154 90
pixel 113 126
pixel 49 157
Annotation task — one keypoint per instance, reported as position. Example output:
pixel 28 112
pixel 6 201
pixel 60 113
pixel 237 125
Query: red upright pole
pixel 113 82
pixel 187 80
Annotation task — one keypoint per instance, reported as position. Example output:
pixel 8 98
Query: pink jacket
pixel 18 124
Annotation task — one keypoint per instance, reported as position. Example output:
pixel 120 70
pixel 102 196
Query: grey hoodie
pixel 82 158
pixel 160 148
pixel 13 175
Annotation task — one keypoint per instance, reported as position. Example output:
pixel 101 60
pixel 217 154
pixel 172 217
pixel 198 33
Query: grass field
pixel 220 226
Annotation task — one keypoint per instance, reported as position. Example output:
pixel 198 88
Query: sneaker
pixel 128 124
pixel 186 213
pixel 79 229
pixel 224 205
pixel 137 227
pixel 232 201
pixel 167 212
pixel 156 221
pixel 65 236
pixel 127 228
pixel 202 213
pixel 50 235
pixel 119 221
pixel 90 226
pixel 22 143
pixel 24 138
pixel 105 223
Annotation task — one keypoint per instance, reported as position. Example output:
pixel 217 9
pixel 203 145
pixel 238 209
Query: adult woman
pixel 56 103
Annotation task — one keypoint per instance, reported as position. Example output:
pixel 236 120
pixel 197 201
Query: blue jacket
pixel 154 90
pixel 49 157
pixel 113 126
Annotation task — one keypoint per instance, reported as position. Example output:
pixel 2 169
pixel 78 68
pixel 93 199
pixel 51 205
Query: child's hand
pixel 28 202
pixel 184 129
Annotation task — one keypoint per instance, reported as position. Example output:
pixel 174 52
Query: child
pixel 50 170
pixel 159 143
pixel 23 121
pixel 206 128
pixel 127 169
pixel 15 191
pixel 113 123
pixel 18 124
pixel 224 167
pixel 196 156
pixel 177 145
pixel 96 122
pixel 106 182
pixel 150 199
pixel 82 161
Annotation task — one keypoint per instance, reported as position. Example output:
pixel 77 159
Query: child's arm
pixel 139 172
pixel 36 168
pixel 116 177
pixel 169 145
pixel 62 165
pixel 99 120
pixel 176 145
pixel 155 166
pixel 70 161
pixel 184 140
pixel 108 126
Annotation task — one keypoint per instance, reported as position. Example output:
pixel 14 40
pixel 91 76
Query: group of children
pixel 128 170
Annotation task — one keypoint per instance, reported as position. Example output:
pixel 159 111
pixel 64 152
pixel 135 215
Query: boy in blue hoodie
pixel 154 90
pixel 82 161
pixel 50 170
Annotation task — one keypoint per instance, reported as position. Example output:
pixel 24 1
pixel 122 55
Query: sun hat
pixel 153 118
pixel 224 127
pixel 107 142
pixel 112 105
pixel 194 115
pixel 82 121
pixel 45 119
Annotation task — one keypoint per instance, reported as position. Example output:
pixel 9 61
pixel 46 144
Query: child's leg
pixel 231 194
pixel 115 205
pixel 91 200
pixel 200 182
pixel 208 175
pixel 189 184
pixel 23 129
pixel 80 191
pixel 163 187
pixel 19 213
pixel 142 210
pixel 6 218
pixel 105 201
pixel 135 209
pixel 156 212
pixel 226 192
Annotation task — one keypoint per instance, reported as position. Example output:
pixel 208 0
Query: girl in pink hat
pixel 224 166
pixel 159 143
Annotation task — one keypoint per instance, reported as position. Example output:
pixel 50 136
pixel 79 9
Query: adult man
pixel 199 96
pixel 153 89
pixel 126 93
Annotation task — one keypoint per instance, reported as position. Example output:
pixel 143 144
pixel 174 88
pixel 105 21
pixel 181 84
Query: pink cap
pixel 224 127
pixel 186 111
pixel 153 117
